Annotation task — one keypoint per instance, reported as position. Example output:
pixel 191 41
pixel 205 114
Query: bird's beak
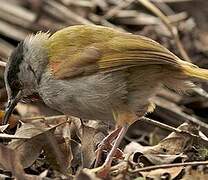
pixel 12 102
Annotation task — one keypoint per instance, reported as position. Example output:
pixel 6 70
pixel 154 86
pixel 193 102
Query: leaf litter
pixel 56 147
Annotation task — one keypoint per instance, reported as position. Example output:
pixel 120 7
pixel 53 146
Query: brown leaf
pixel 90 138
pixel 166 151
pixel 3 128
pixel 86 174
pixel 88 146
pixel 135 147
pixel 66 145
pixel 77 155
pixel 157 159
pixel 10 136
pixel 192 174
pixel 176 143
pixel 58 149
pixel 147 155
pixel 29 149
pixel 34 177
pixel 10 160
pixel 168 173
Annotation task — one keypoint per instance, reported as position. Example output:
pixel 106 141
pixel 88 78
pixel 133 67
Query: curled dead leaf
pixel 90 139
pixel 10 160
pixel 193 174
pixel 168 173
pixel 58 149
pixel 36 136
pixel 86 174
pixel 170 149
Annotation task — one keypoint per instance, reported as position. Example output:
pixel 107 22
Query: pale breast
pixel 90 97
pixel 94 96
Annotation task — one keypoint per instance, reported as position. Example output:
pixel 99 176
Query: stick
pixel 170 128
pixel 163 166
pixel 2 63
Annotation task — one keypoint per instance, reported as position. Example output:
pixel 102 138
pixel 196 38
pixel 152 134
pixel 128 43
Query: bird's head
pixel 23 71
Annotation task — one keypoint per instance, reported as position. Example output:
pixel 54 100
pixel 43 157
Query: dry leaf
pixel 58 149
pixel 135 147
pixel 10 160
pixel 34 177
pixel 166 151
pixel 10 136
pixel 147 155
pixel 77 155
pixel 90 138
pixel 29 149
pixel 168 173
pixel 88 146
pixel 191 174
pixel 156 159
pixel 176 143
pixel 66 145
pixel 3 128
pixel 86 174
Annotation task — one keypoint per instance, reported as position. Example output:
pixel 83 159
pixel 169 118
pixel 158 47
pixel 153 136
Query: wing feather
pixel 91 53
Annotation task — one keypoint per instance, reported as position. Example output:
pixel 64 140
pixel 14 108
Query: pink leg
pixel 106 143
pixel 104 169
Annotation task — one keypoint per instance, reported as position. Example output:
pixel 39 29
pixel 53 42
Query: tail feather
pixel 194 71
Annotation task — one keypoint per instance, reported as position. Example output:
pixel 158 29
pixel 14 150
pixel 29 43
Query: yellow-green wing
pixel 82 50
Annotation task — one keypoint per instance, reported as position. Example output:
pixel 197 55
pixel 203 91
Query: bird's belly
pixel 90 97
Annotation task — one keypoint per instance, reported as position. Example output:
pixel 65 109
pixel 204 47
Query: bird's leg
pixel 105 143
pixel 104 169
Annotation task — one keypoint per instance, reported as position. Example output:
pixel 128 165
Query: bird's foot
pixel 106 147
pixel 103 171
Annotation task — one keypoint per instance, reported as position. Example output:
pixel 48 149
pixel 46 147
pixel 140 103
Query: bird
pixel 95 72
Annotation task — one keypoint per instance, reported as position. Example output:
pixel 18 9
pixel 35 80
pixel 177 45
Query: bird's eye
pixel 16 84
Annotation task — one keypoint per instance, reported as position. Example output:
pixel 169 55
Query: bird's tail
pixel 194 71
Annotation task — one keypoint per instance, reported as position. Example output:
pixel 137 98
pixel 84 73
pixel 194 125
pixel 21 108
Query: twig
pixel 112 12
pixel 67 13
pixel 170 128
pixel 171 1
pixel 200 92
pixel 2 63
pixel 12 31
pixel 99 20
pixel 163 166
pixel 164 8
pixel 10 136
pixel 17 11
pixel 174 111
pixel 161 125
pixel 43 117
